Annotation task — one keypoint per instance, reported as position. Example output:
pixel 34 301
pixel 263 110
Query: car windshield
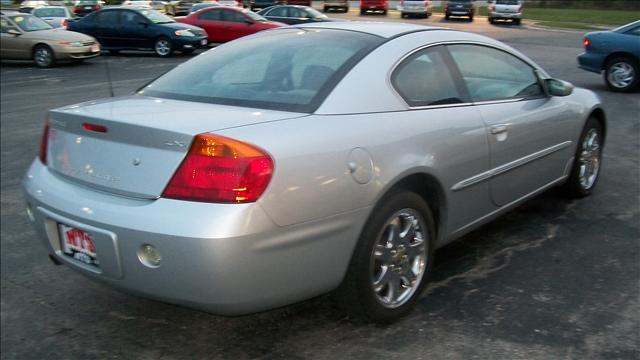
pixel 254 16
pixel 316 14
pixel 30 23
pixel 288 70
pixel 626 27
pixel 50 12
pixel 155 17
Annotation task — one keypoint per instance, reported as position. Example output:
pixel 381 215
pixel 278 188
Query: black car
pixel 140 29
pixel 85 7
pixel 293 14
pixel 460 8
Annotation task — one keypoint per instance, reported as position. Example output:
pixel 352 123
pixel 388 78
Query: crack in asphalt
pixel 487 265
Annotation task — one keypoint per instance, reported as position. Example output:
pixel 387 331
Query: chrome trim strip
pixel 509 166
pixel 507 206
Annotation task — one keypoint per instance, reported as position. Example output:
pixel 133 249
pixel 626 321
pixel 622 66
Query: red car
pixel 374 5
pixel 226 23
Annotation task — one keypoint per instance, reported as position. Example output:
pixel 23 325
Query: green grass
pixel 571 18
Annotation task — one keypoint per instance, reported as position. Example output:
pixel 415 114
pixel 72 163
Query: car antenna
pixel 108 71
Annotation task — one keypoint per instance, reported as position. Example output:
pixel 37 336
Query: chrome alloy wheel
pixel 399 258
pixel 621 74
pixel 43 56
pixel 163 47
pixel 589 161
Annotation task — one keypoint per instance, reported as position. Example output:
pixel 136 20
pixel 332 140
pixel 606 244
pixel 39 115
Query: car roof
pixel 381 29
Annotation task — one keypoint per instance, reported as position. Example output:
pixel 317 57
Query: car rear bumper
pixel 499 15
pixel 228 259
pixel 413 10
pixel 590 62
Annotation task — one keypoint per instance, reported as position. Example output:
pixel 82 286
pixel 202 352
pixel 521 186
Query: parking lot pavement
pixel 554 279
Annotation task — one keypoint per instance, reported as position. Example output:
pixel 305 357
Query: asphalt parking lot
pixel 554 279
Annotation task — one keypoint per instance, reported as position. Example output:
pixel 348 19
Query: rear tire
pixel 621 74
pixel 325 9
pixel 587 162
pixel 362 12
pixel 517 21
pixel 392 260
pixel 114 52
pixel 446 16
pixel 163 47
pixel 43 56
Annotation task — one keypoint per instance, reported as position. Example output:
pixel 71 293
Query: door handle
pixel 499 128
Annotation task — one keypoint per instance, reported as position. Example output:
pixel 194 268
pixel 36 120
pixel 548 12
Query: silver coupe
pixel 306 160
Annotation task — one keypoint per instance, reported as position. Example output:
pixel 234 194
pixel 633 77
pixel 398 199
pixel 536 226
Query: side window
pixel 5 25
pixel 491 74
pixel 297 13
pixel 280 12
pixel 107 18
pixel 234 16
pixel 424 79
pixel 130 18
pixel 215 15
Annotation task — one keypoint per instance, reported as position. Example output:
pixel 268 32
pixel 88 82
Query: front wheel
pixel 392 260
pixel 587 162
pixel 163 47
pixel 621 74
pixel 43 56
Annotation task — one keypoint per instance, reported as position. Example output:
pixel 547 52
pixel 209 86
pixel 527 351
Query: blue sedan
pixel 140 29
pixel 617 52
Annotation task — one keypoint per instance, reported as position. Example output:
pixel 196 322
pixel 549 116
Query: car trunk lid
pixel 132 146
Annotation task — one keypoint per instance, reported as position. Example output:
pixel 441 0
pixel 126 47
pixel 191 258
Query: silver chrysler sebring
pixel 305 160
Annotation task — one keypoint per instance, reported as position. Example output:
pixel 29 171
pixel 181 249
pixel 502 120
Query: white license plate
pixel 79 245
pixel 87 8
pixel 203 42
pixel 95 48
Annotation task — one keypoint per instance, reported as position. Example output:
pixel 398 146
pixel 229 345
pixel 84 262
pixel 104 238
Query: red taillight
pixel 64 23
pixel 98 7
pixel 94 127
pixel 77 9
pixel 44 143
pixel 586 42
pixel 222 170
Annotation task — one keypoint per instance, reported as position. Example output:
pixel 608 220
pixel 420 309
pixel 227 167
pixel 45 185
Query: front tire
pixel 392 260
pixel 587 161
pixel 621 74
pixel 43 56
pixel 163 47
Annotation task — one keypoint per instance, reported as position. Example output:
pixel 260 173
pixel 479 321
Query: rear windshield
pixel 507 2
pixel 50 12
pixel 289 70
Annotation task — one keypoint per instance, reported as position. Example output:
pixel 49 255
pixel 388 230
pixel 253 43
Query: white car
pixel 415 7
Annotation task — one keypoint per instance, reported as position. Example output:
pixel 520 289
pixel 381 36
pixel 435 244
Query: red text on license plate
pixel 78 244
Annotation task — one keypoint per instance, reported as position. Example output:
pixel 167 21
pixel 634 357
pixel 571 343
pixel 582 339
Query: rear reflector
pixel 94 127
pixel 221 170
pixel 44 143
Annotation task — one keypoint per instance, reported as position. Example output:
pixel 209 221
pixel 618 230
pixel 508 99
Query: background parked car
pixel 25 36
pixel 224 23
pixel 204 5
pixel 56 16
pixel 293 14
pixel 84 7
pixel 138 29
pixel 374 5
pixel 233 3
pixel 505 10
pixel 414 7
pixel 298 2
pixel 342 5
pixel 28 5
pixel 262 4
pixel 146 4
pixel 459 8
pixel 617 53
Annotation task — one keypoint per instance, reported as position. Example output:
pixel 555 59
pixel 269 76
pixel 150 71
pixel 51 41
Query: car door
pixel 449 129
pixel 106 24
pixel 211 21
pixel 237 25
pixel 12 46
pixel 135 30
pixel 529 133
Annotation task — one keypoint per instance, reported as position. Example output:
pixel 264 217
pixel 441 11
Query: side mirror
pixel 14 32
pixel 557 87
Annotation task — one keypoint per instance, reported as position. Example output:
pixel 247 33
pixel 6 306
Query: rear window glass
pixel 507 2
pixel 289 70
pixel 50 12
